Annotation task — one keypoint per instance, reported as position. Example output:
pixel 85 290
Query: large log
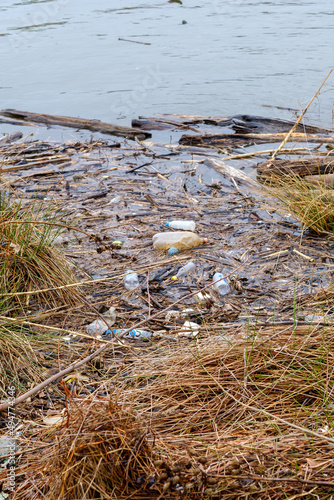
pixel 244 124
pixel 237 140
pixel 301 167
pixel 78 123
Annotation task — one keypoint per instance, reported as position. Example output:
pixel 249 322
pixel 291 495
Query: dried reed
pixel 246 417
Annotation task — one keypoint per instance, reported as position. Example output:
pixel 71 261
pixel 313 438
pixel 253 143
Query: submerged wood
pixel 244 185
pixel 78 123
pixel 15 136
pixel 230 172
pixel 237 140
pixel 244 124
pixel 321 180
pixel 301 167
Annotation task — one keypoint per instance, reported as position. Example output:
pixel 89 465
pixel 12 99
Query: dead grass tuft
pixel 28 261
pixel 100 451
pixel 310 200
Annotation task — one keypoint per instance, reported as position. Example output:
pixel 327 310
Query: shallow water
pixel 231 56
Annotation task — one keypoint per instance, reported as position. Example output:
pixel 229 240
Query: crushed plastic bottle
pixel 186 225
pixel 115 200
pixel 173 251
pixel 175 314
pixel 182 240
pixel 203 298
pixel 189 329
pixel 222 287
pixel 186 270
pixel 133 334
pixel 131 281
pixel 100 327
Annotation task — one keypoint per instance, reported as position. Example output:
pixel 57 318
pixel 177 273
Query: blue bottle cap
pixel 167 224
pixel 173 251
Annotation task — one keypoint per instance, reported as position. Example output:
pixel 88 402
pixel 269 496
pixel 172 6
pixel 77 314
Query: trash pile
pixel 210 308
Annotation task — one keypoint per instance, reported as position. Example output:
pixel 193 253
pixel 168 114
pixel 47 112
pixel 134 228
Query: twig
pixel 52 379
pixel 303 255
pixel 134 41
pixel 299 119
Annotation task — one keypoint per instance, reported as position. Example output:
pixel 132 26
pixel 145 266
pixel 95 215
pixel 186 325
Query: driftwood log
pixel 230 173
pixel 301 167
pixel 244 124
pixel 237 140
pixel 78 123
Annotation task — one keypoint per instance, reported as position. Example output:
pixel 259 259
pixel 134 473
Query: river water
pixel 218 57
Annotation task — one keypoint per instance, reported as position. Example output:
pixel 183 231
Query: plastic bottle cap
pixel 167 224
pixel 173 251
pixel 174 278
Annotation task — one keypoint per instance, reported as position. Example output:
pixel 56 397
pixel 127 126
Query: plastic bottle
pixel 133 334
pixel 203 298
pixel 100 327
pixel 131 281
pixel 186 225
pixel 186 270
pixel 222 287
pixel 189 329
pixel 182 240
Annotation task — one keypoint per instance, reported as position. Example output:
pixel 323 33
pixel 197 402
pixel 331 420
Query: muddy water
pixel 202 57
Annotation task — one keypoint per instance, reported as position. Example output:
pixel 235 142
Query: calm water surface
pixel 202 57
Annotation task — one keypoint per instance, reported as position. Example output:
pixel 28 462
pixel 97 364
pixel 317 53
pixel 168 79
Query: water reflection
pixel 230 57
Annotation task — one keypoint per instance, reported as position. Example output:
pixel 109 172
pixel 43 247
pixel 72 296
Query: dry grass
pixel 29 263
pixel 252 418
pixel 312 202
pixel 28 260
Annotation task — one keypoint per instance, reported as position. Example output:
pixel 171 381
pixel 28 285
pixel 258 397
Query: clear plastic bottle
pixel 182 240
pixel 100 327
pixel 133 334
pixel 187 269
pixel 222 287
pixel 186 225
pixel 131 281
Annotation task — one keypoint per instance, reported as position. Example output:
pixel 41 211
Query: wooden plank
pixel 78 123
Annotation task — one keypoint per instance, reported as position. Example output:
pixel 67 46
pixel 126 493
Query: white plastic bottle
pixel 187 269
pixel 186 225
pixel 182 240
pixel 131 281
pixel 221 286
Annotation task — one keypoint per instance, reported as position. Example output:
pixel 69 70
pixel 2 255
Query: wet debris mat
pixel 230 397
